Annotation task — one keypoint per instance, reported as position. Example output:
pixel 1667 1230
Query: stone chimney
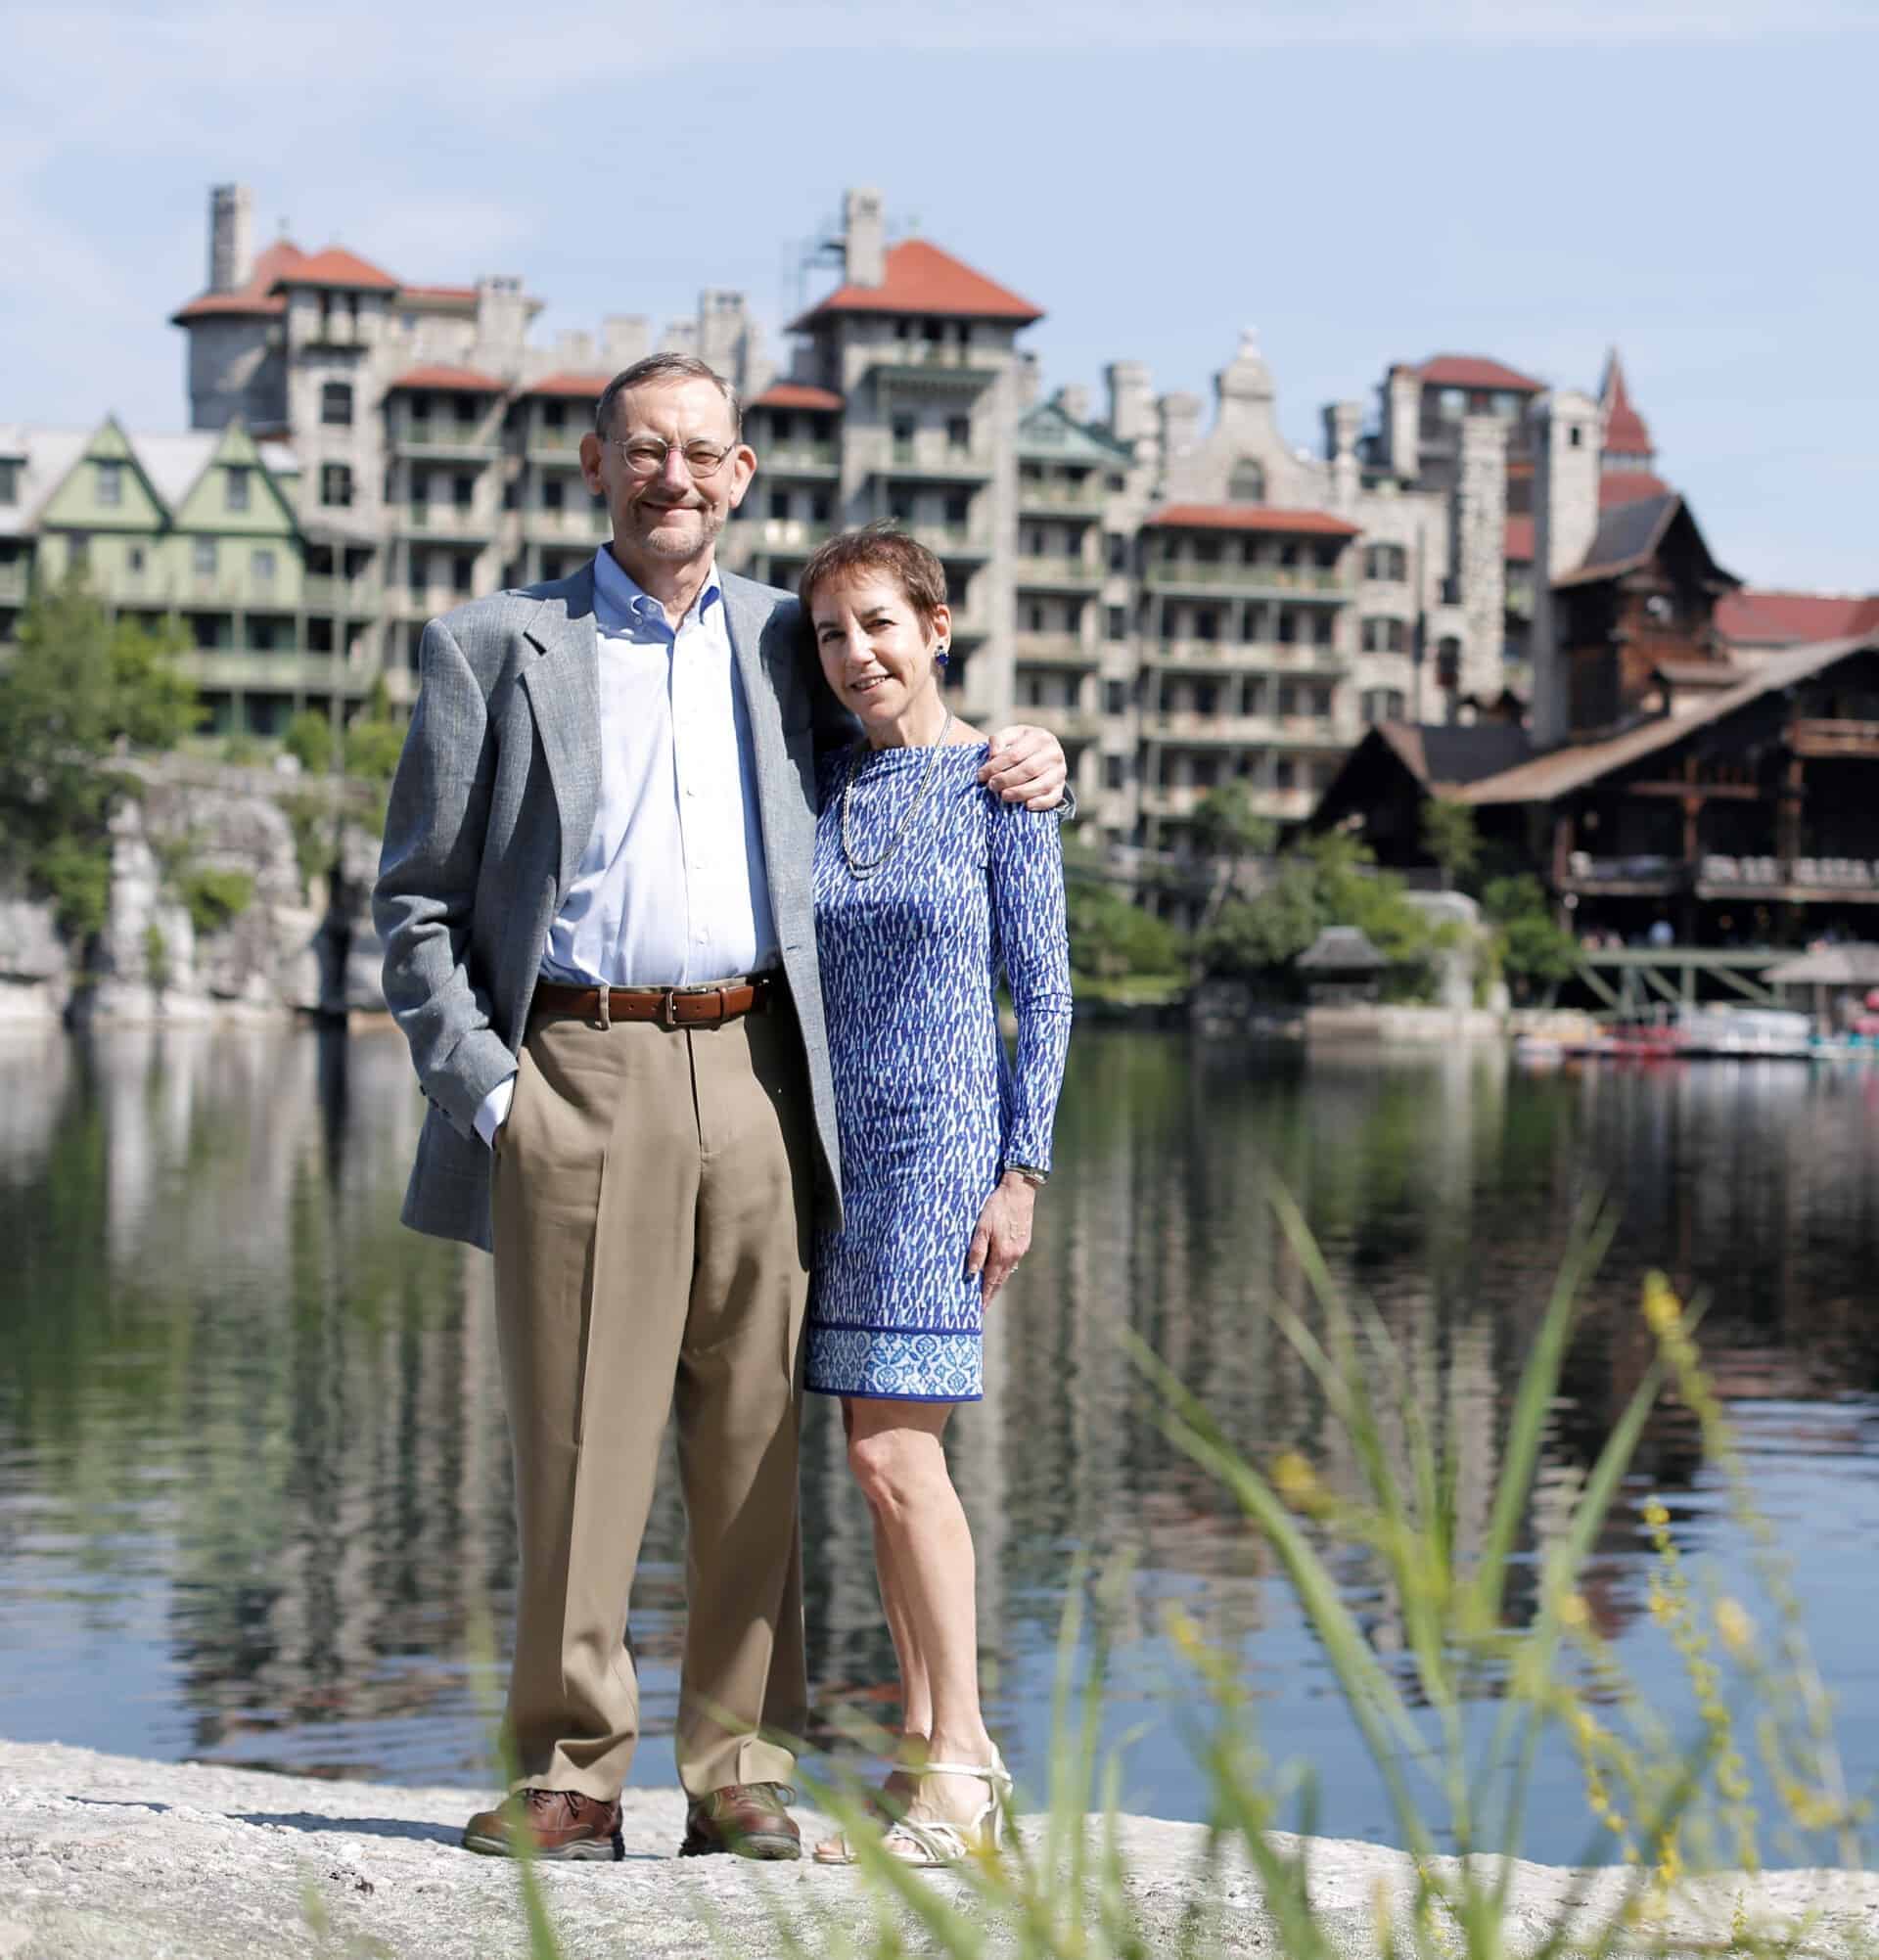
pixel 1131 400
pixel 625 337
pixel 1074 399
pixel 864 239
pixel 502 322
pixel 1025 377
pixel 1402 421
pixel 1566 465
pixel 231 237
pixel 1343 421
pixel 1180 419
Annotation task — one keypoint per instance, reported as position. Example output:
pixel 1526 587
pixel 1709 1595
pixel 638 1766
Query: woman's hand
pixel 1002 1235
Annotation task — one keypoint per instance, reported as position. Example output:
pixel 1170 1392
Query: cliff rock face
pixel 297 860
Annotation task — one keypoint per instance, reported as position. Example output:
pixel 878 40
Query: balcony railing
pixel 939 461
pixel 447 520
pixel 956 541
pixel 786 536
pixel 1288 731
pixel 1826 738
pixel 1299 581
pixel 1058 574
pixel 259 669
pixel 463 438
pixel 577 524
pixel 799 459
pixel 1852 877
pixel 324 593
pixel 1057 498
pixel 1070 725
pixel 1055 650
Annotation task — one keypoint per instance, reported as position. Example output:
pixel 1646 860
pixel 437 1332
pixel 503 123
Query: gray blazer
pixel 490 811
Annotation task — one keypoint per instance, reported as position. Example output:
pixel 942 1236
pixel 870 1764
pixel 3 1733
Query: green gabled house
pixel 195 529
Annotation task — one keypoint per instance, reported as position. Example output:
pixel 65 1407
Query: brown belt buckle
pixel 669 1004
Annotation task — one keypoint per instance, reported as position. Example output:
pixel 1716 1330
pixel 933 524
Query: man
pixel 595 902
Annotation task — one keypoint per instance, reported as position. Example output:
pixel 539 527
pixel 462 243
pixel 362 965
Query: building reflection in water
pixel 253 1428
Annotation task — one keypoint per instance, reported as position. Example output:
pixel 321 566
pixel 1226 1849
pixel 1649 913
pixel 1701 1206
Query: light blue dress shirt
pixel 672 889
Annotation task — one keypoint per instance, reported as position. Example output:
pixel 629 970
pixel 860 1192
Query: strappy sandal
pixel 932 1845
pixel 937 1845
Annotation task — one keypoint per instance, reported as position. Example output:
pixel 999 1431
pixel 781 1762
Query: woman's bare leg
pixel 929 1573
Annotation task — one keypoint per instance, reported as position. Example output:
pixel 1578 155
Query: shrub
pixel 309 740
pixel 373 747
pixel 156 969
pixel 215 897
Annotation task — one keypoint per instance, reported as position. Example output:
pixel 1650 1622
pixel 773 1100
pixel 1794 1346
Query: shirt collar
pixel 622 594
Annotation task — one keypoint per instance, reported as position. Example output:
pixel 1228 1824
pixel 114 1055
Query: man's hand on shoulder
pixel 1026 766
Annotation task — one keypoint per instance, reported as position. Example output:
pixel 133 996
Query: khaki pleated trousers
pixel 652 1217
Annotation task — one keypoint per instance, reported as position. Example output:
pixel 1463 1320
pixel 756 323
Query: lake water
pixel 253 1481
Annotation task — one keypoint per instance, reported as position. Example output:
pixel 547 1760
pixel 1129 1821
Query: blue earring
pixel 940 654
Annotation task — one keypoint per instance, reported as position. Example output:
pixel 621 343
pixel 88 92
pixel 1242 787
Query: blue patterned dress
pixel 929 1105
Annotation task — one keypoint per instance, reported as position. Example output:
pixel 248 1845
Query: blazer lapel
pixel 563 684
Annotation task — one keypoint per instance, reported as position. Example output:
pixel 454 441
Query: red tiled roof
pixel 582 387
pixel 1518 540
pixel 796 394
pixel 463 381
pixel 1624 431
pixel 1629 486
pixel 455 295
pixel 1476 370
pixel 1252 517
pixel 922 279
pixel 1794 619
pixel 336 266
pixel 256 295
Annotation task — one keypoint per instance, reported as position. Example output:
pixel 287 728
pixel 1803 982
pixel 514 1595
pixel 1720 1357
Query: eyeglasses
pixel 645 456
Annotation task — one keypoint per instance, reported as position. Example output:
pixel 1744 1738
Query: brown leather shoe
pixel 559 1824
pixel 750 1819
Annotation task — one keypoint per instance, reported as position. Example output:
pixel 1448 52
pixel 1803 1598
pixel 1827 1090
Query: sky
pixel 1362 181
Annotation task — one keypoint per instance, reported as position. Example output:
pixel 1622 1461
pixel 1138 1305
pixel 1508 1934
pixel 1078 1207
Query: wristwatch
pixel 1030 1173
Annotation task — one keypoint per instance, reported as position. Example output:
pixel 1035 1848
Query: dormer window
pixel 111 484
pixel 238 489
pixel 9 480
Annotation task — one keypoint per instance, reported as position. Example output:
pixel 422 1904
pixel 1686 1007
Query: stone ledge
pixel 113 1857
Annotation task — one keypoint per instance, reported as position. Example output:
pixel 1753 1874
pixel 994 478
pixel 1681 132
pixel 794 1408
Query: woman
pixel 928 889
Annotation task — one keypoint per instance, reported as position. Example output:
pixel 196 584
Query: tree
pixel 1109 937
pixel 1228 830
pixel 77 688
pixel 1330 879
pixel 1451 836
pixel 1533 947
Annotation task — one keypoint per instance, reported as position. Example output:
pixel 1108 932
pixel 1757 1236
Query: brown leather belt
pixel 669 1006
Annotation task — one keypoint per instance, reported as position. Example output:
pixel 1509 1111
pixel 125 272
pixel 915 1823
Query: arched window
pixel 336 404
pixel 1247 485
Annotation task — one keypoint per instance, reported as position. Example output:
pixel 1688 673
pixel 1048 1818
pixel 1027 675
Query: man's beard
pixel 671 546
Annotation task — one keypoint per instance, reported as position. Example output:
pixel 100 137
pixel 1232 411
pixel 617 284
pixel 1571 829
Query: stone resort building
pixel 1183 595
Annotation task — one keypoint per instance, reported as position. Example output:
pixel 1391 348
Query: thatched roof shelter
pixel 1342 950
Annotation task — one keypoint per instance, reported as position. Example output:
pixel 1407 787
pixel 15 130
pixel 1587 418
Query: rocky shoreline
pixel 121 1859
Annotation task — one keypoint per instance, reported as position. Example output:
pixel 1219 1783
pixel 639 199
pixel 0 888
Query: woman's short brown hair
pixel 879 548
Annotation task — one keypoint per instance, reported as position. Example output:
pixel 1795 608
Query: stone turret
pixel 1481 548
pixel 1402 421
pixel 1566 472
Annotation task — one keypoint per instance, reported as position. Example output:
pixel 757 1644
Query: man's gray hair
pixel 656 368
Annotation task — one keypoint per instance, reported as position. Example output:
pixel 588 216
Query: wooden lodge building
pixel 1664 775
